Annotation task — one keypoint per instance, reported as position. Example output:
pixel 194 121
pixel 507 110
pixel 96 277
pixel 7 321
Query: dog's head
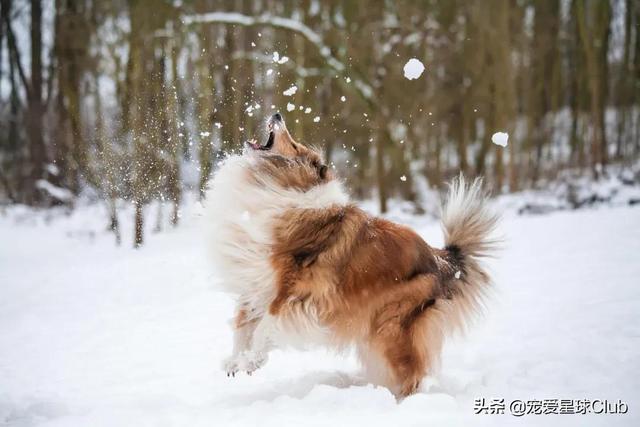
pixel 290 162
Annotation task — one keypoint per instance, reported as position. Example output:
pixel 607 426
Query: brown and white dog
pixel 307 266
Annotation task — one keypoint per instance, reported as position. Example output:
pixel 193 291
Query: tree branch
pixel 363 88
pixel 13 49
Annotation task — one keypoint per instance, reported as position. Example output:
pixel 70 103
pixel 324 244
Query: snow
pixel 279 60
pixel 500 138
pixel 572 190
pixel 249 110
pixel 316 119
pixel 413 69
pixel 291 91
pixel 54 191
pixel 97 335
pixel 343 98
pixel 52 169
pixel 290 106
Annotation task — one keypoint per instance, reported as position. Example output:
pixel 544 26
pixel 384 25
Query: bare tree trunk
pixel 139 226
pixel 465 124
pixel 108 164
pixel 205 113
pixel 114 223
pixel 159 217
pixel 175 190
pixel 577 157
pixel 624 92
pixel 593 37
pixel 11 165
pixel 33 89
pixel 2 12
pixel 381 175
pixel 37 150
pixel 635 144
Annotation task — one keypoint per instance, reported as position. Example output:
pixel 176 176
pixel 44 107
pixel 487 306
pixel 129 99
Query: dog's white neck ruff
pixel 240 215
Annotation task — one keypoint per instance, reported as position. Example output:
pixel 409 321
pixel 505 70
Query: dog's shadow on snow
pixel 300 387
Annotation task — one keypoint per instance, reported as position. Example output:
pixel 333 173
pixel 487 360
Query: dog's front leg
pixel 244 325
pixel 263 341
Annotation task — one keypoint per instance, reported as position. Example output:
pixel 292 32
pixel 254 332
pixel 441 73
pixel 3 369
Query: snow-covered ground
pixel 97 335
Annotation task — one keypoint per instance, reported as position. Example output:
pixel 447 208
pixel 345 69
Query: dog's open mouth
pixel 264 147
pixel 274 125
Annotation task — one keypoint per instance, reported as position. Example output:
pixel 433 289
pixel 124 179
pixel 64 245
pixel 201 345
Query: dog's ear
pixel 277 160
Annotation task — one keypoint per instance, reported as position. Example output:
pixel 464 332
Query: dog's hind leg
pixel 404 334
pixel 404 361
pixel 411 346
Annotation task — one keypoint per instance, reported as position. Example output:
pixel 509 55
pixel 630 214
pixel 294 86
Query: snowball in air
pixel 279 60
pixel 500 138
pixel 413 69
pixel 290 106
pixel 316 119
pixel 292 90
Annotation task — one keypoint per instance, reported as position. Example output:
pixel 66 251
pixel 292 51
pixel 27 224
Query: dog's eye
pixel 320 168
pixel 322 171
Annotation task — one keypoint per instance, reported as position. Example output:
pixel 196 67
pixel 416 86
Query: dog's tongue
pixel 254 144
pixel 257 146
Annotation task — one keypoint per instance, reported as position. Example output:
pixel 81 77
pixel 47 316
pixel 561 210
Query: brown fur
pixel 301 172
pixel 372 281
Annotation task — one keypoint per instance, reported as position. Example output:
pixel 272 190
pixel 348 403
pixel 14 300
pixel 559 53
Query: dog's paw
pixel 231 365
pixel 251 361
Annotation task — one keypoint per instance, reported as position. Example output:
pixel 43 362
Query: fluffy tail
pixel 469 227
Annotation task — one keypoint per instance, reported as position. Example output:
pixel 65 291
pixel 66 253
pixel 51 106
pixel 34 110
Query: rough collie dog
pixel 308 266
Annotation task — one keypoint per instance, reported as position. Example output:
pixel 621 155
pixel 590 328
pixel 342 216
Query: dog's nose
pixel 277 117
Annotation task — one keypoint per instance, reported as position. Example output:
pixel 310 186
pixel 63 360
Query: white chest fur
pixel 240 216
